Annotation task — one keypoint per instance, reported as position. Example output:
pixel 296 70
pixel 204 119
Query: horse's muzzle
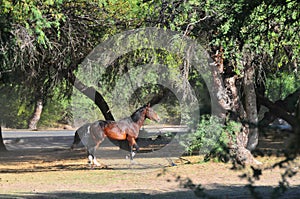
pixel 157 119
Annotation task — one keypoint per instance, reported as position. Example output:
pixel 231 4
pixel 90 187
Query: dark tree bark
pixel 32 124
pixel 294 142
pixel 2 146
pixel 220 97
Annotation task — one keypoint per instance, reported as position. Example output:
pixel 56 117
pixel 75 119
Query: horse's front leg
pixel 132 144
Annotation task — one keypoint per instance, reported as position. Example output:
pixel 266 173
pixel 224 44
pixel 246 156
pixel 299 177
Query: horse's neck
pixel 140 120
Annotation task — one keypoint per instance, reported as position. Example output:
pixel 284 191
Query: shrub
pixel 211 138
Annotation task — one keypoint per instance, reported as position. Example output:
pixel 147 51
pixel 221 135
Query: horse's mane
pixel 137 114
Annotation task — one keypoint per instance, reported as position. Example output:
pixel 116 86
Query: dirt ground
pixel 62 173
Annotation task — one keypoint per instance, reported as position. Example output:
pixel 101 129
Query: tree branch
pixel 193 23
pixel 277 110
pixel 93 94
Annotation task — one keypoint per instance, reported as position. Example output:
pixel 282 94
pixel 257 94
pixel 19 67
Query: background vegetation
pixel 254 45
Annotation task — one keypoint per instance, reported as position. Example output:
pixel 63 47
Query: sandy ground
pixel 58 172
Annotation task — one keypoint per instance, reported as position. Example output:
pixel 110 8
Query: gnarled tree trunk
pixel 297 127
pixel 247 139
pixel 228 97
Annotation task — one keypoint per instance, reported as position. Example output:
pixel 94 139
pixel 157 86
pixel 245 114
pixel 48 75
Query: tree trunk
pixel 2 146
pixel 220 98
pixel 276 109
pixel 32 124
pixel 228 98
pixel 250 108
pixel 247 138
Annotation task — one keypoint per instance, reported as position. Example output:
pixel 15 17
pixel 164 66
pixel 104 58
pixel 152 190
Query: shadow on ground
pixel 238 192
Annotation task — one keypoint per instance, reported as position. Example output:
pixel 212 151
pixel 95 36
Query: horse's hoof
pixel 97 164
pixel 133 162
pixel 133 154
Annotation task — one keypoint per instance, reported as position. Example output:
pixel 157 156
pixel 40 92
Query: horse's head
pixel 151 114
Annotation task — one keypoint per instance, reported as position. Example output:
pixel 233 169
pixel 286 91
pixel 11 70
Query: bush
pixel 212 136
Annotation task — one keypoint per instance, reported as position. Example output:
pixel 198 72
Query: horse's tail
pixel 76 140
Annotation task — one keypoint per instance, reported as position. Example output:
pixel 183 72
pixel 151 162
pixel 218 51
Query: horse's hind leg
pixel 94 157
pixel 96 137
pixel 91 156
pixel 96 162
pixel 76 140
pixel 90 159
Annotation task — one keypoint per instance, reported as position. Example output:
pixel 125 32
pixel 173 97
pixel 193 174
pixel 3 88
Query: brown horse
pixel 92 135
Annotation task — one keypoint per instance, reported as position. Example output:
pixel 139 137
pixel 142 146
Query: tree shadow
pixel 46 155
pixel 64 159
pixel 239 192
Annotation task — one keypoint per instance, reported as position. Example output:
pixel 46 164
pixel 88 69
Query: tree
pixel 248 41
pixel 253 36
pixel 40 42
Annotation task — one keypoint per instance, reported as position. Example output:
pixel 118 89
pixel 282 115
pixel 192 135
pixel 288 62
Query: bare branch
pixel 193 23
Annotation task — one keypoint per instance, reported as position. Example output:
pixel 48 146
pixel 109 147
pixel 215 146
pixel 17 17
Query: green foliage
pixel 56 112
pixel 206 136
pixel 265 30
pixel 43 40
pixel 36 16
pixel 16 110
pixel 211 136
pixel 281 84
pixel 83 109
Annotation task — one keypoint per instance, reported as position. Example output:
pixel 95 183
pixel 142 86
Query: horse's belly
pixel 115 135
